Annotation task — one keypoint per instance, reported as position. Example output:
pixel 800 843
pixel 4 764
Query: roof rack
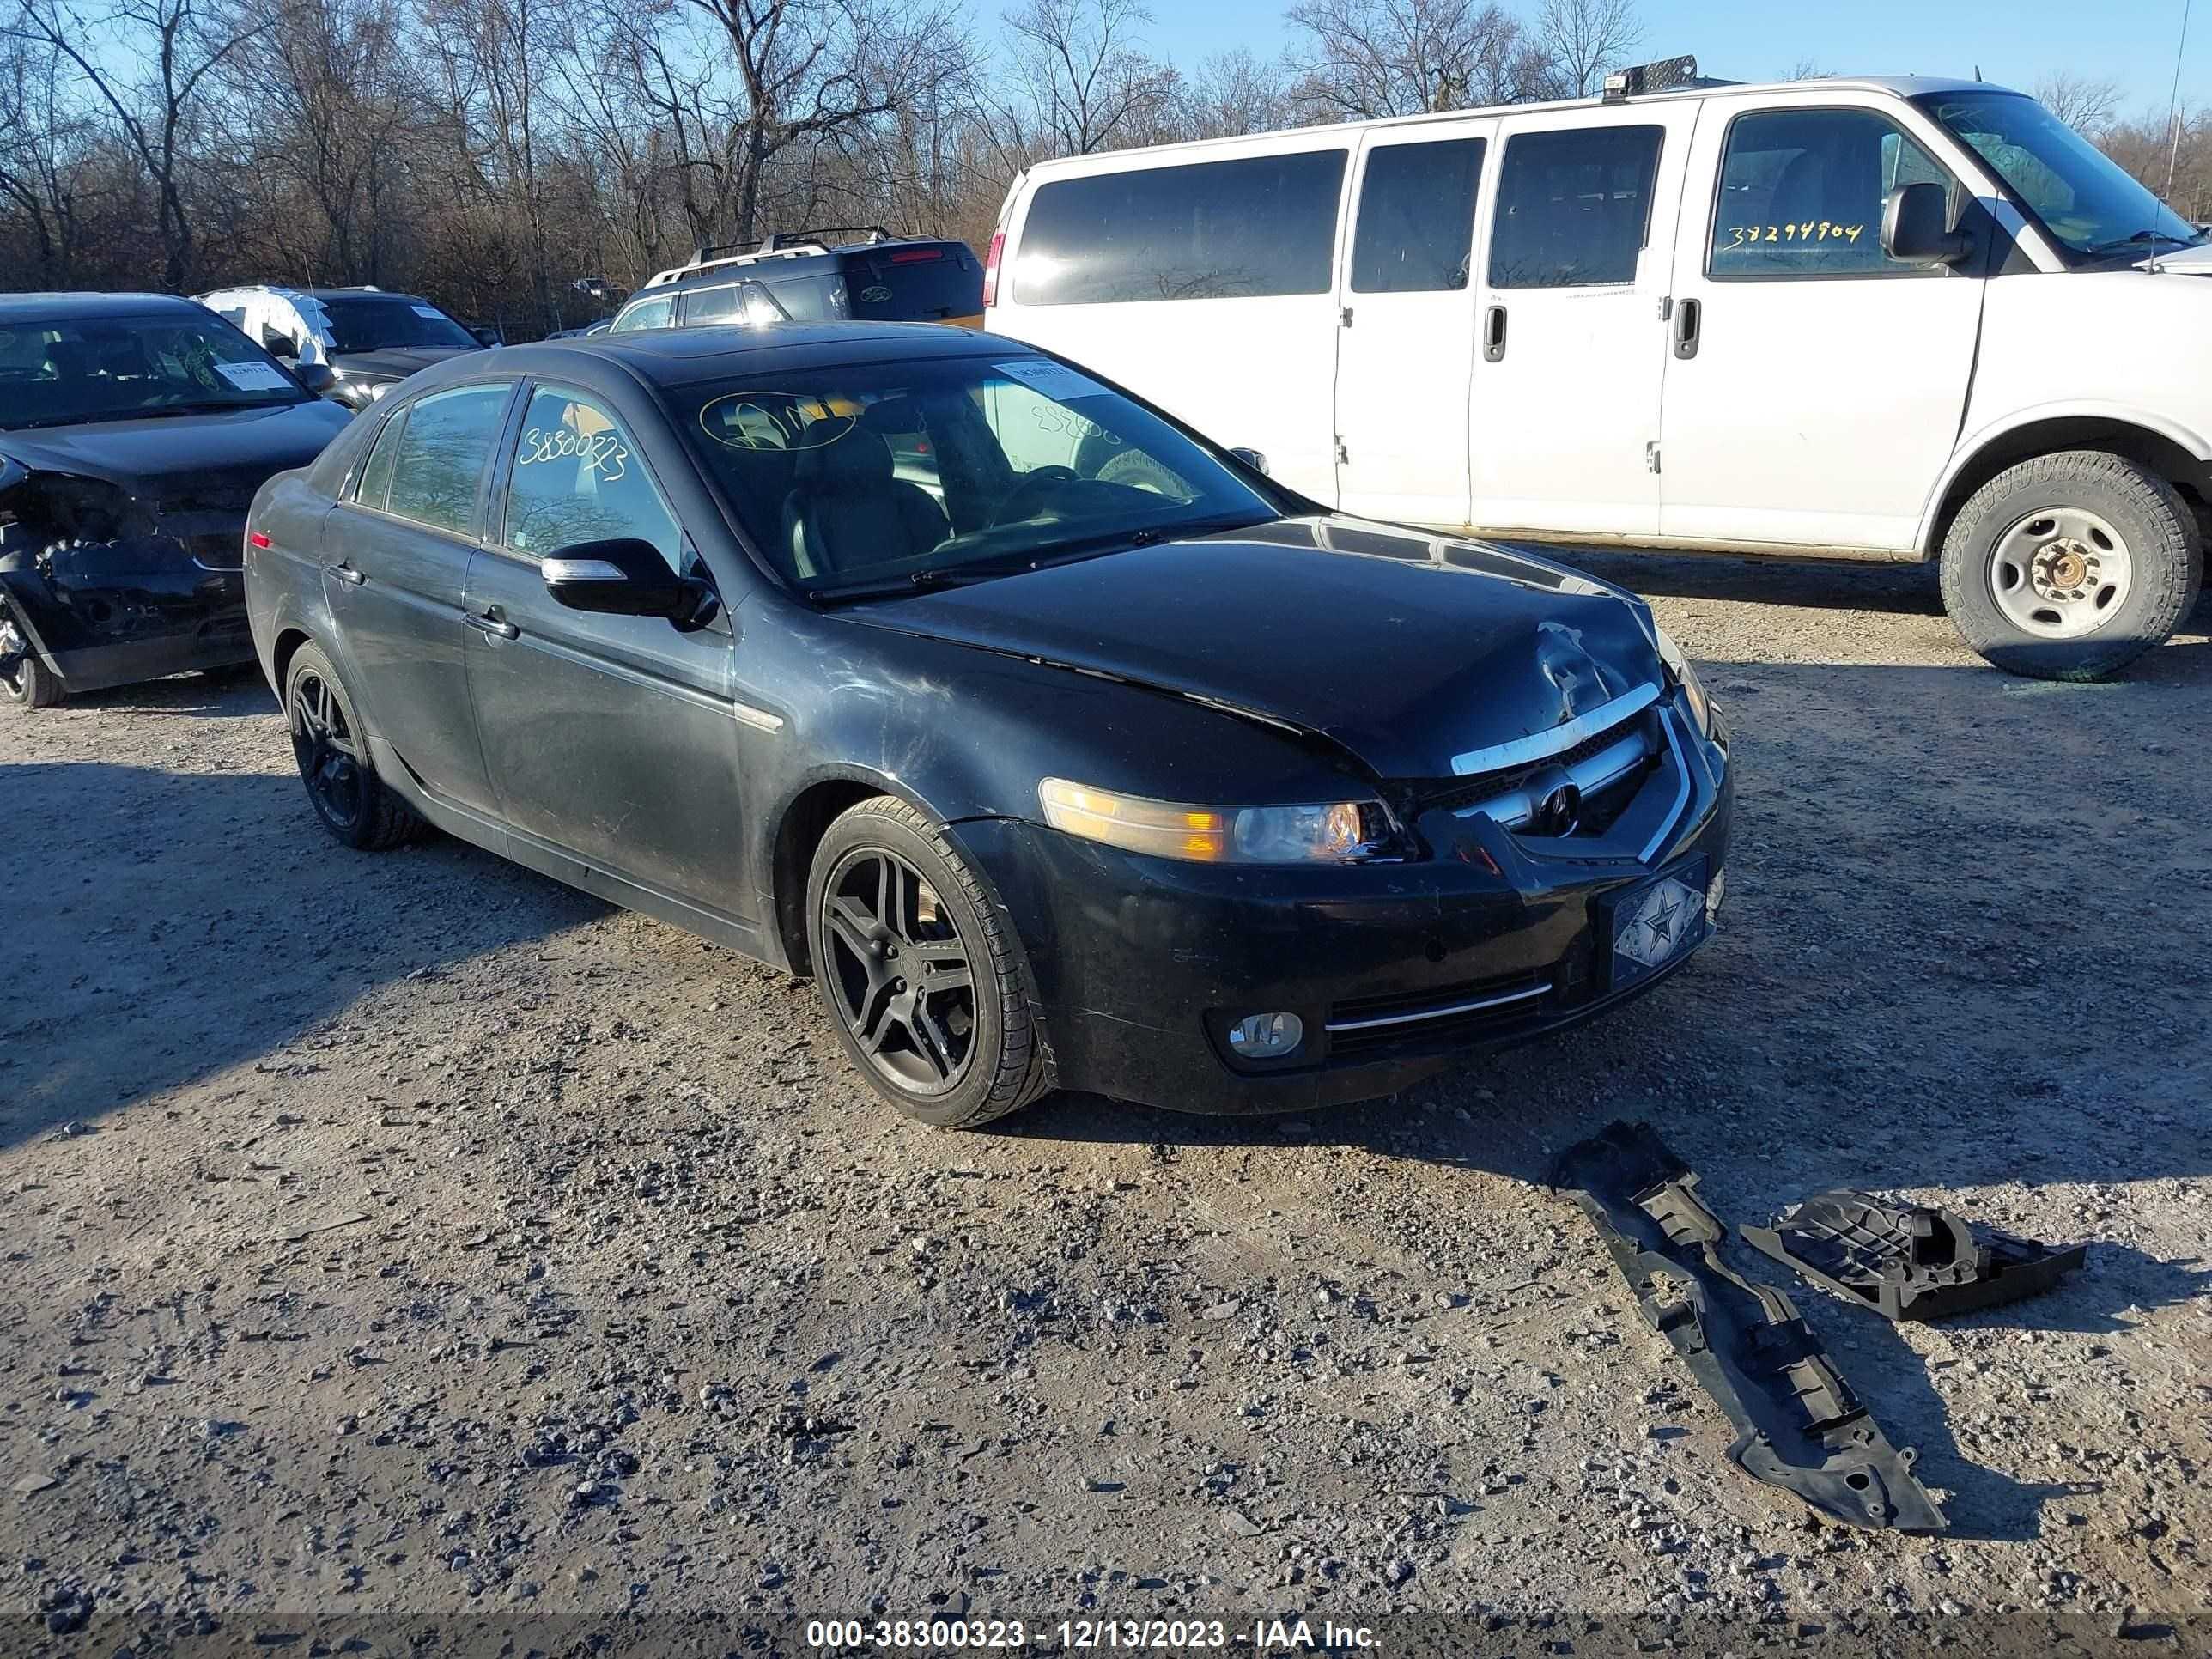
pixel 775 242
pixel 1668 75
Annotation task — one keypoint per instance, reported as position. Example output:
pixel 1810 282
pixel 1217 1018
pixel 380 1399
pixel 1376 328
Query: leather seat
pixel 847 511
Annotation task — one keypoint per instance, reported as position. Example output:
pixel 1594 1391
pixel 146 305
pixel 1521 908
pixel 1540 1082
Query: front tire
pixel 2071 566
pixel 920 971
pixel 26 683
pixel 349 800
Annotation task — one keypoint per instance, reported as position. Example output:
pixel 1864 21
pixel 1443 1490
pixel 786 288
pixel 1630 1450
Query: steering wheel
pixel 1031 484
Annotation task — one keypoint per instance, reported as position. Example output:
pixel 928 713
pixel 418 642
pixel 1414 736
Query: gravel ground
pixel 407 1235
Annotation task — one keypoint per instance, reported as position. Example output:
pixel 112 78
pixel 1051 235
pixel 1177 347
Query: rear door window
pixel 1259 226
pixel 1802 194
pixel 1416 220
pixel 651 313
pixel 1574 207
pixel 920 283
pixel 441 455
pixel 375 489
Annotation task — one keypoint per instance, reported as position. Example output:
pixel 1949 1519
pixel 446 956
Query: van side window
pixel 1416 224
pixel 1573 206
pixel 1261 225
pixel 442 453
pixel 1801 193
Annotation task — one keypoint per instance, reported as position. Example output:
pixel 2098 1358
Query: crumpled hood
pixel 1406 663
pixel 395 362
pixel 185 462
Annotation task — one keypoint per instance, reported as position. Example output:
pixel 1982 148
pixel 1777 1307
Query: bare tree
pixel 1582 39
pixel 1368 58
pixel 1235 92
pixel 174 47
pixel 2087 104
pixel 1080 75
pixel 37 136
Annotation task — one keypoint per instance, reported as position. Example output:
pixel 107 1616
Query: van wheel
pixel 342 786
pixel 25 682
pixel 2069 567
pixel 924 980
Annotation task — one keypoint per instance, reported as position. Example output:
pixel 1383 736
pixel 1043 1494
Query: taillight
pixel 255 538
pixel 991 268
pixel 914 256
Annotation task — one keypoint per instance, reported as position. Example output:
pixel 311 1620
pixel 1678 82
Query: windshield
pixel 880 477
pixel 112 368
pixel 372 322
pixel 2083 197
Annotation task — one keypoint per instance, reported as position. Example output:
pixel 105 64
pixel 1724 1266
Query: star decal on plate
pixel 1662 922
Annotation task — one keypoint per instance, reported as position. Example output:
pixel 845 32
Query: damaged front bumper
pixel 1393 971
pixel 103 592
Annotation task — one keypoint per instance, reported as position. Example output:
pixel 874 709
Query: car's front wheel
pixel 922 976
pixel 25 682
pixel 353 803
pixel 2069 567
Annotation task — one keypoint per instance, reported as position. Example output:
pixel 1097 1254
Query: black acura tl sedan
pixel 134 430
pixel 1155 779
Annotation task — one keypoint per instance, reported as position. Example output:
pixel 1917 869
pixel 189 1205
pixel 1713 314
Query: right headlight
pixel 1332 832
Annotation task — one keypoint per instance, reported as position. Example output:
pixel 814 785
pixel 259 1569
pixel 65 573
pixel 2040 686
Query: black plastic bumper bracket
pixel 1798 1425
pixel 1908 1261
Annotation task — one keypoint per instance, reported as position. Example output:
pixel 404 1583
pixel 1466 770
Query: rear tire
pixel 2071 566
pixel 923 978
pixel 349 800
pixel 30 683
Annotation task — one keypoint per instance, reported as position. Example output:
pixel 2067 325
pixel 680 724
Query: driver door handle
pixel 346 574
pixel 497 626
pixel 1493 335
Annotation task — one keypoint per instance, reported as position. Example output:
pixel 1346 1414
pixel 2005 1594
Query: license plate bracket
pixel 1650 926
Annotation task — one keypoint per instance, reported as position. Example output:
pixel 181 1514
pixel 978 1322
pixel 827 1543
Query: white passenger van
pixel 1882 319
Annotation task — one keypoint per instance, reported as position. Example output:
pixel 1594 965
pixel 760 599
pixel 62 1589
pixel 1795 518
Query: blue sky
pixel 2015 42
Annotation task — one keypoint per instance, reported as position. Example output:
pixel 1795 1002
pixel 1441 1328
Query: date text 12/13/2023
pixel 1073 1635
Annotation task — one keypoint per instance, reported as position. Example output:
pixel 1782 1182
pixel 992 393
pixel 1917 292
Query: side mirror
pixel 1916 226
pixel 1253 458
pixel 487 336
pixel 621 577
pixel 317 378
pixel 279 345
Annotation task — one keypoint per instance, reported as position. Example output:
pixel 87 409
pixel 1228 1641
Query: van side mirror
pixel 1916 226
pixel 621 577
pixel 279 345
pixel 1253 458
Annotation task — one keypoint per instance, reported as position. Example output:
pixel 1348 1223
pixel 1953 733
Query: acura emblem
pixel 1557 812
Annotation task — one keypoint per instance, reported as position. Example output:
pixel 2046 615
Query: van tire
pixel 2164 554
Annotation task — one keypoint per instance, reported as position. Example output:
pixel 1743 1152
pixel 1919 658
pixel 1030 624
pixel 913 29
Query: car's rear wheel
pixel 921 974
pixel 2069 567
pixel 351 800
pixel 25 682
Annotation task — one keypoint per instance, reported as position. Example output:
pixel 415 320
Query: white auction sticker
pixel 1055 381
pixel 431 312
pixel 254 377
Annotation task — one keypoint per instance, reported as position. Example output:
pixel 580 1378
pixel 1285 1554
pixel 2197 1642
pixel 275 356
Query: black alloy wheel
pixel 350 800
pixel 925 979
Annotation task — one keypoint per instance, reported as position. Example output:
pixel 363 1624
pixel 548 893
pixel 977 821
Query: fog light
pixel 1267 1037
pixel 1713 895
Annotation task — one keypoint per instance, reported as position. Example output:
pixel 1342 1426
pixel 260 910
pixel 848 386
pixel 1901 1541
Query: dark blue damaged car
pixel 1061 746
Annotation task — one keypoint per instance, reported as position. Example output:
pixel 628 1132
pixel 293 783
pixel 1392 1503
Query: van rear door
pixel 1406 345
pixel 1818 395
pixel 1576 262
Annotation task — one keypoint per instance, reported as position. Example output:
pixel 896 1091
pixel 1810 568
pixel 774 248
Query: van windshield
pixel 869 479
pixel 2084 197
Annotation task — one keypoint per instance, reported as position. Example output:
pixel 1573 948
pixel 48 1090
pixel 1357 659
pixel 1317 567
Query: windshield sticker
pixel 1812 230
pixel 1054 381
pixel 603 451
pixel 431 312
pixel 254 377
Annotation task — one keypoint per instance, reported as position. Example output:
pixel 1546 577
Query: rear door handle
pixel 346 574
pixel 1689 316
pixel 498 626
pixel 1493 335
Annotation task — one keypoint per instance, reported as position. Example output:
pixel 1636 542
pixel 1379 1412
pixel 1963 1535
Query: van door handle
pixel 1493 335
pixel 1689 314
pixel 346 574
pixel 498 626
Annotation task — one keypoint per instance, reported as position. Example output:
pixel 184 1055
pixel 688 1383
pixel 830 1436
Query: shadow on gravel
pixel 142 901
pixel 224 694
pixel 1900 589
